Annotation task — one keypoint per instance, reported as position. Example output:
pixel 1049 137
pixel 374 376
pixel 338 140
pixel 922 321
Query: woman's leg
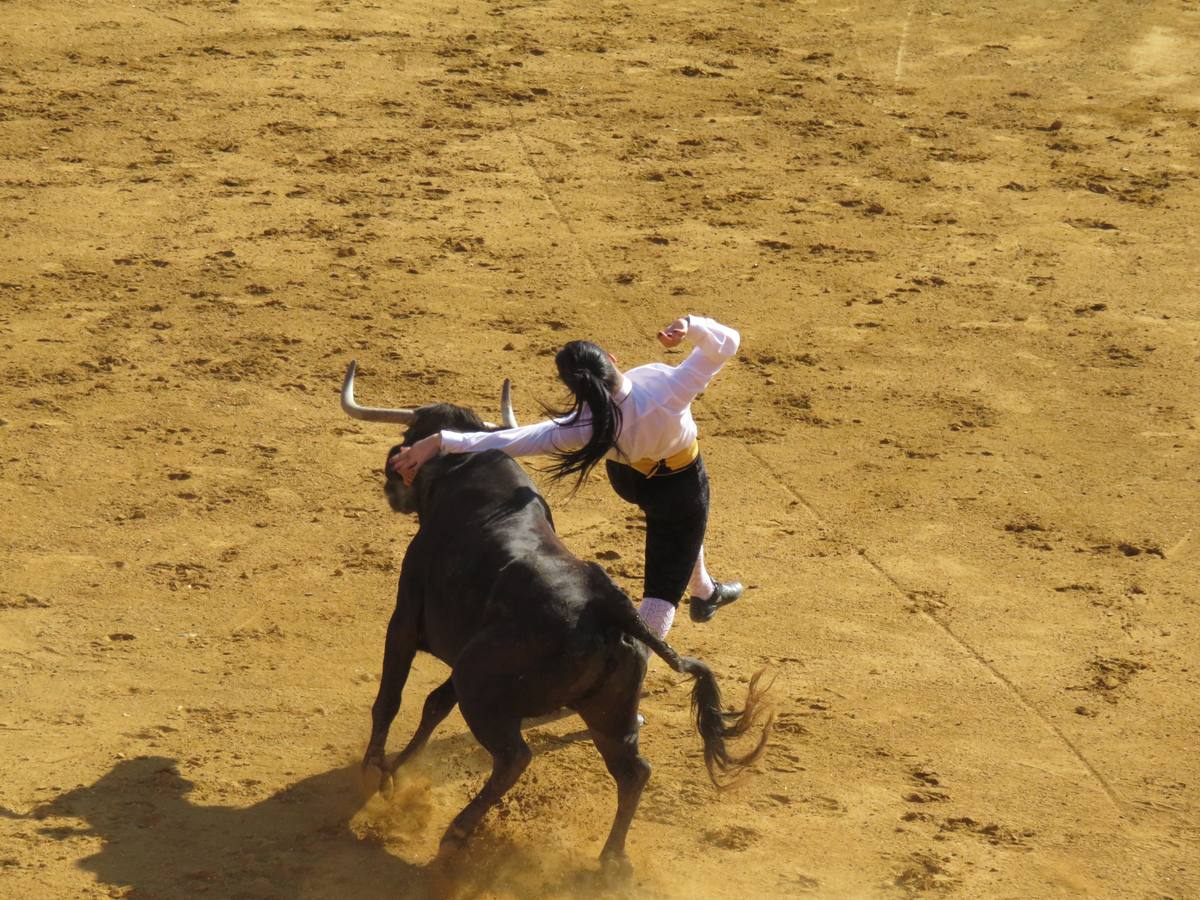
pixel 629 484
pixel 676 508
pixel 676 516
pixel 701 583
pixel 658 615
pixel 708 594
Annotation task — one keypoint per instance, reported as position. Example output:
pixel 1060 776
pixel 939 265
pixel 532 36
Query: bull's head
pixel 421 422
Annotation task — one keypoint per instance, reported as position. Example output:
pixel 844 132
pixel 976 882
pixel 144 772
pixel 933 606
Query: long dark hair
pixel 591 377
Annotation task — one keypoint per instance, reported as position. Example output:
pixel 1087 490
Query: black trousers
pixel 676 508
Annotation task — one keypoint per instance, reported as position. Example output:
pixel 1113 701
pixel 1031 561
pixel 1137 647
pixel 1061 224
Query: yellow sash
pixel 673 463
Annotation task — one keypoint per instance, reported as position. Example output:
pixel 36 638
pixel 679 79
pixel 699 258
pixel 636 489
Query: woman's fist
pixel 674 333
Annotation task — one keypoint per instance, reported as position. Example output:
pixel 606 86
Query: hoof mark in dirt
pixel 789 723
pixel 824 805
pixel 787 762
pixel 23 601
pixel 1121 356
pixel 926 780
pixel 177 575
pixel 1127 549
pixel 908 454
pixel 831 252
pixel 751 434
pixel 926 797
pixel 1077 587
pixel 776 245
pixel 1031 533
pixel 924 873
pixel 697 72
pixel 992 833
pixel 801 883
pixel 731 837
pixel 1109 674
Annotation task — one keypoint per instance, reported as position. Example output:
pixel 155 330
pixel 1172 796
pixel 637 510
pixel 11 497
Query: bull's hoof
pixel 388 787
pixel 370 776
pixel 375 779
pixel 454 841
pixel 450 848
pixel 616 869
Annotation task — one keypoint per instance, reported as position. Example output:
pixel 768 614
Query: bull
pixel 527 629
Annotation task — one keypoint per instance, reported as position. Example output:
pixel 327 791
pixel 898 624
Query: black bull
pixel 487 587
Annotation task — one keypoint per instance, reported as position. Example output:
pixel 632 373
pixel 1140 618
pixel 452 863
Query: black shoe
pixel 703 610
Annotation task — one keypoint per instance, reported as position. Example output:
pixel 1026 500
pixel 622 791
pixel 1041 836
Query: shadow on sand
pixel 297 843
pixel 158 843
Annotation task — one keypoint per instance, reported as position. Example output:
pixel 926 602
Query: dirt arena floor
pixel 955 462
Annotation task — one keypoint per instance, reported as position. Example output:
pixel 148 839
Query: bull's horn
pixel 507 419
pixel 369 413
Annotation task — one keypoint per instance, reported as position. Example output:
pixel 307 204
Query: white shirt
pixel 655 402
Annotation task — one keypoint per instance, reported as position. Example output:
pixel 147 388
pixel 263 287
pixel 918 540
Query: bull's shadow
pixel 158 843
pixel 297 843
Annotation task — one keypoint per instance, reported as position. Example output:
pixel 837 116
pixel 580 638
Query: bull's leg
pixel 631 772
pixel 437 706
pixel 611 716
pixel 398 652
pixel 500 735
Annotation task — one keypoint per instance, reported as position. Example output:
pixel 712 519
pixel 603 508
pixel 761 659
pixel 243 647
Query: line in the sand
pixel 903 46
pixel 956 638
pixel 563 218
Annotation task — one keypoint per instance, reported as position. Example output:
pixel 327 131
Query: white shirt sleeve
pixel 540 439
pixel 715 345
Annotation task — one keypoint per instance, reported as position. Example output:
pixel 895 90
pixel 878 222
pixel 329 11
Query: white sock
pixel 657 614
pixel 701 584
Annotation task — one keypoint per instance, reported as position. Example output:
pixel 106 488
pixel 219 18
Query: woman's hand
pixel 674 333
pixel 410 459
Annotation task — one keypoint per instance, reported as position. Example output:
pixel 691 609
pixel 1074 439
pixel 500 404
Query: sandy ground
pixel 955 461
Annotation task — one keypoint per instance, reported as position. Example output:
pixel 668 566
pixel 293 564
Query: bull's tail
pixel 714 724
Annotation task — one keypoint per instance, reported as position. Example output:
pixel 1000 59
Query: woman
pixel 641 424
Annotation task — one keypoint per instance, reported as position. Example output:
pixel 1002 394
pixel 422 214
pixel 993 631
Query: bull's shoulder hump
pixel 485 466
pixel 496 458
